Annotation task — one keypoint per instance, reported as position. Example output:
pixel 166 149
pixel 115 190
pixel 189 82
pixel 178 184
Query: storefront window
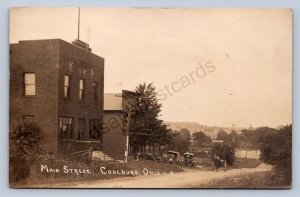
pixel 94 129
pixel 66 128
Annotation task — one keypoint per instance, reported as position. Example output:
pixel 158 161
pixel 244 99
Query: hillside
pixel 208 130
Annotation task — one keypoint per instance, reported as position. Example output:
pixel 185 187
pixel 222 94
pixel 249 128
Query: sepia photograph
pixel 180 98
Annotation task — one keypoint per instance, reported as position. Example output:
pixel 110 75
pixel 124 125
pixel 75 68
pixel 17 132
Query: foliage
pixel 247 137
pixel 254 138
pixel 252 180
pixel 276 149
pixel 246 163
pixel 24 145
pixel 145 126
pixel 225 152
pixel 180 141
pixel 25 137
pixel 19 169
pixel 44 178
pixel 186 135
pixel 201 138
pixel 222 135
pixel 232 138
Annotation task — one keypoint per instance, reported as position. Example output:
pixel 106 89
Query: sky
pixel 212 66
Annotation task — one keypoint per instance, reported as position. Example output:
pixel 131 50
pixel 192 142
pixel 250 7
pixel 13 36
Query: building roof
pixel 113 102
pixel 217 141
pixel 116 101
pixel 78 43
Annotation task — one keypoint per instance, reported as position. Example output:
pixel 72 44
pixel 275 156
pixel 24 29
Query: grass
pixel 142 167
pixel 239 163
pixel 246 163
pixel 205 162
pixel 153 166
pixel 259 180
pixel 37 177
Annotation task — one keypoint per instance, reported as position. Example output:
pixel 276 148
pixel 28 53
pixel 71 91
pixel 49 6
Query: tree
pixel 201 138
pixel 186 135
pixel 254 138
pixel 276 150
pixel 225 152
pixel 233 139
pixel 222 135
pixel 146 128
pixel 180 141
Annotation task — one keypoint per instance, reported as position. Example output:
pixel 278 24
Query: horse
pixel 217 163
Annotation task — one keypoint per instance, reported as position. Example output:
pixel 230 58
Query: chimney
pixel 82 45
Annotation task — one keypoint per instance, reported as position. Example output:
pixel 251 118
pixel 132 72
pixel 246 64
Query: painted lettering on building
pixel 81 71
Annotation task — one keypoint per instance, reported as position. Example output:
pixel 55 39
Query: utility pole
pixel 247 149
pixel 129 109
pixel 127 135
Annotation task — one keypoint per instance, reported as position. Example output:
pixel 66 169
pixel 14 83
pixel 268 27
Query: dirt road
pixel 186 179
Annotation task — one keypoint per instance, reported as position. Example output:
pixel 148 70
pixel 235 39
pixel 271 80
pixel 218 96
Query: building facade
pixel 115 123
pixel 60 85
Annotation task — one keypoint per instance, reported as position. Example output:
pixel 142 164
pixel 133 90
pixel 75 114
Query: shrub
pixel 277 150
pixel 225 152
pixel 24 140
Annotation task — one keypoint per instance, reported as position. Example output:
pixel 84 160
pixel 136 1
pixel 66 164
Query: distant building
pixel 60 86
pixel 217 141
pixel 115 123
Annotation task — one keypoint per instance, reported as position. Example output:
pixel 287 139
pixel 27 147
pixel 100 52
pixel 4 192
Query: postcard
pixel 150 98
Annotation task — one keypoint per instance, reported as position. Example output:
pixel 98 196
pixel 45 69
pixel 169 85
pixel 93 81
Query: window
pixel 81 89
pixel 29 84
pixel 95 88
pixel 28 117
pixel 81 129
pixel 94 129
pixel 66 128
pixel 67 86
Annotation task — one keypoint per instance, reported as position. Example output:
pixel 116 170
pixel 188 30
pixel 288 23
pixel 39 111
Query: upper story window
pixel 28 117
pixel 95 89
pixel 67 86
pixel 29 84
pixel 81 89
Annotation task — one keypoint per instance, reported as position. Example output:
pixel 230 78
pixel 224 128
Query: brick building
pixel 60 86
